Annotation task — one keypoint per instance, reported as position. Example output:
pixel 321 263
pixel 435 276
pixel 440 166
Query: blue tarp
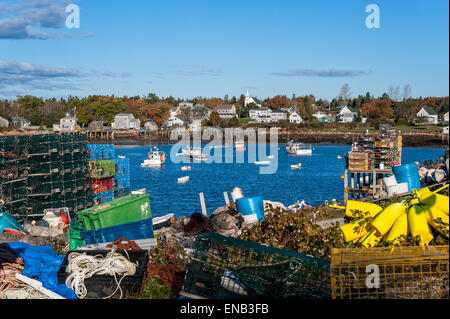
pixel 42 262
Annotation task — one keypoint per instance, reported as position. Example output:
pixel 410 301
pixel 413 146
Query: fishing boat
pixel 298 149
pixel 183 179
pixel 239 146
pixel 262 162
pixel 186 168
pixel 155 158
pixel 195 154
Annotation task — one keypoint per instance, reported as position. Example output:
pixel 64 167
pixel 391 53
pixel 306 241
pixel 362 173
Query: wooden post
pixel 225 195
pixel 202 203
pixel 374 182
pixel 345 186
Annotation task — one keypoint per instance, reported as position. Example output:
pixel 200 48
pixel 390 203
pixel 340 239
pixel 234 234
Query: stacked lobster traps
pixel 44 171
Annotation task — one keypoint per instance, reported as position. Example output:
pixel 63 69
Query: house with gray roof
pixel 19 121
pixel 226 111
pixel 426 115
pixel 125 121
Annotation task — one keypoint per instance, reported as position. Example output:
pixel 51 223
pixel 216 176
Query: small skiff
pixel 183 179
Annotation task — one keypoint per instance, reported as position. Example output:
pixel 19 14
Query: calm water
pixel 318 180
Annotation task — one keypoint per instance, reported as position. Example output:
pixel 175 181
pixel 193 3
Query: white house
pixel 295 118
pixel 348 114
pixel 426 115
pixel 125 121
pixel 249 99
pixel 226 111
pixel 278 115
pixel 445 118
pixel 4 122
pixel 151 126
pixel 66 124
pixel 174 121
pixel 261 115
pixel 19 121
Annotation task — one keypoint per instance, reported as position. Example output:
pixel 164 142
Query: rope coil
pixel 82 266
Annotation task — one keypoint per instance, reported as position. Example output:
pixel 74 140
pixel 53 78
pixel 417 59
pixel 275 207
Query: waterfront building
pixel 226 111
pixel 426 115
pixel 4 122
pixel 19 121
pixel 295 118
pixel 125 121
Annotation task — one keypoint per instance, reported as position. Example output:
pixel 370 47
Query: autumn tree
pixel 278 102
pixel 378 109
pixel 214 118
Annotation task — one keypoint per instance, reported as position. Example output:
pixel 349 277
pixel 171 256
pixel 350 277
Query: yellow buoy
pixel 433 214
pixel 399 228
pixel 371 239
pixel 354 230
pixel 387 217
pixel 418 224
pixel 438 201
pixel 353 206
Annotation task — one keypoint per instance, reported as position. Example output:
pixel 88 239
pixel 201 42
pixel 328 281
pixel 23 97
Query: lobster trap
pixel 225 267
pixel 390 273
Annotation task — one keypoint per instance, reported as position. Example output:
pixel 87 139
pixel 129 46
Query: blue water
pixel 318 180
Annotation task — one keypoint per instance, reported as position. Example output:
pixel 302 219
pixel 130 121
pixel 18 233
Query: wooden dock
pixel 362 183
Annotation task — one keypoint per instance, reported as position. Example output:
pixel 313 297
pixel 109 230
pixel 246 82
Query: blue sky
pixel 189 48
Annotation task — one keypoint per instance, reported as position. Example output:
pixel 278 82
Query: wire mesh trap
pixel 226 267
pixel 402 273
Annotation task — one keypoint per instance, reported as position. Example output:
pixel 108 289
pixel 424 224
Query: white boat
pixel 239 146
pixel 195 154
pixel 295 166
pixel 262 162
pixel 155 158
pixel 183 179
pixel 271 156
pixel 186 168
pixel 298 149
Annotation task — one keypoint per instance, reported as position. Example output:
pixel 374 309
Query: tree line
pixel 46 112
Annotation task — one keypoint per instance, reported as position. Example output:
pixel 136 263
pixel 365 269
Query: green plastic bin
pixel 119 211
pixel 76 240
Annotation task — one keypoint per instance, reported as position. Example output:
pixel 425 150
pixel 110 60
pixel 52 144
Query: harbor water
pixel 318 179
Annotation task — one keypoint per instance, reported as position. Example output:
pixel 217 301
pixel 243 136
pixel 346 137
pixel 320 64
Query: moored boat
pixel 155 158
pixel 239 146
pixel 298 149
pixel 183 179
pixel 262 162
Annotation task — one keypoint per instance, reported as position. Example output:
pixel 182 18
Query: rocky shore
pixel 409 139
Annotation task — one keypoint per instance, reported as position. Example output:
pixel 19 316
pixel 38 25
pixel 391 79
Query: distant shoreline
pixel 344 139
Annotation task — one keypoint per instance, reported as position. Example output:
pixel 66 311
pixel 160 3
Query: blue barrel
pixel 408 173
pixel 251 208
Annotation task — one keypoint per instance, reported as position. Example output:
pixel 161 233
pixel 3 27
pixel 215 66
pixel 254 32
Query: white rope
pixel 82 266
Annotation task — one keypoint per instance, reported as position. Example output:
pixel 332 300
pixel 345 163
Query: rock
pixel 327 223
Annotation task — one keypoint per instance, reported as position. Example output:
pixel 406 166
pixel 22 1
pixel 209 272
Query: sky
pixel 213 48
